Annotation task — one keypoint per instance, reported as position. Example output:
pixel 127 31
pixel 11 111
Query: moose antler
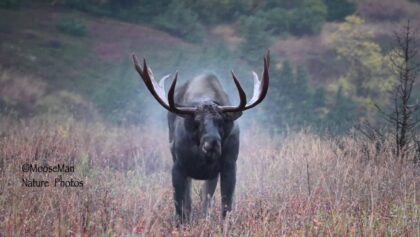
pixel 168 102
pixel 158 89
pixel 260 89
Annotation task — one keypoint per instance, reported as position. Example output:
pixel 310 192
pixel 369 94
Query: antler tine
pixel 158 88
pixel 171 92
pixel 259 93
pixel 155 89
pixel 145 69
pixel 267 57
pixel 171 100
pixel 260 87
pixel 163 80
pixel 242 97
pixel 136 65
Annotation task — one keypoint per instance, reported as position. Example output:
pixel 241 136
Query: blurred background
pixel 330 58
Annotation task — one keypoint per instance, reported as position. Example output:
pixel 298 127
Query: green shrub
pixel 77 4
pixel 339 9
pixel 278 20
pixel 10 4
pixel 343 113
pixel 308 18
pixel 71 26
pixel 219 11
pixel 300 17
pixel 257 37
pixel 143 11
pixel 181 21
pixel 185 18
pixel 292 102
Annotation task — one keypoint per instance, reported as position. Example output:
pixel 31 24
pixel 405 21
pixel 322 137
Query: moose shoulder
pixel 203 134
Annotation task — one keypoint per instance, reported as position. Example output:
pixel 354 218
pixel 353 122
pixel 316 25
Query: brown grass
pixel 287 186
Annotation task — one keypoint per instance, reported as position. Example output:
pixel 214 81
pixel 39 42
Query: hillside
pixel 30 37
pixel 33 47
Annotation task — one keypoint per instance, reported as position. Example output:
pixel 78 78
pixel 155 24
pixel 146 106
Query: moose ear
pixel 232 115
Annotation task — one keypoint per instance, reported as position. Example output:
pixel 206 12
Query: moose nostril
pixel 211 146
pixel 207 145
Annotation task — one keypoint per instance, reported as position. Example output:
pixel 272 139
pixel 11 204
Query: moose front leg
pixel 182 196
pixel 207 192
pixel 227 186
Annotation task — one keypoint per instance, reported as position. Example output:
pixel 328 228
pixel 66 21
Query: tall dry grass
pixel 297 185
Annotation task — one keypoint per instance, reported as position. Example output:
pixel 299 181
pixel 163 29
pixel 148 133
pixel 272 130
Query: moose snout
pixel 211 145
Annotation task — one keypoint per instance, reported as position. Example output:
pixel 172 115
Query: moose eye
pixel 191 125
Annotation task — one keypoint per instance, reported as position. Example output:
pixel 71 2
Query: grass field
pixel 297 185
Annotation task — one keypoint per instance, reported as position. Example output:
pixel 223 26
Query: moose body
pixel 203 134
pixel 191 136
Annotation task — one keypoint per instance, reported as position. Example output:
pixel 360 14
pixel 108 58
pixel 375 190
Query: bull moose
pixel 203 135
